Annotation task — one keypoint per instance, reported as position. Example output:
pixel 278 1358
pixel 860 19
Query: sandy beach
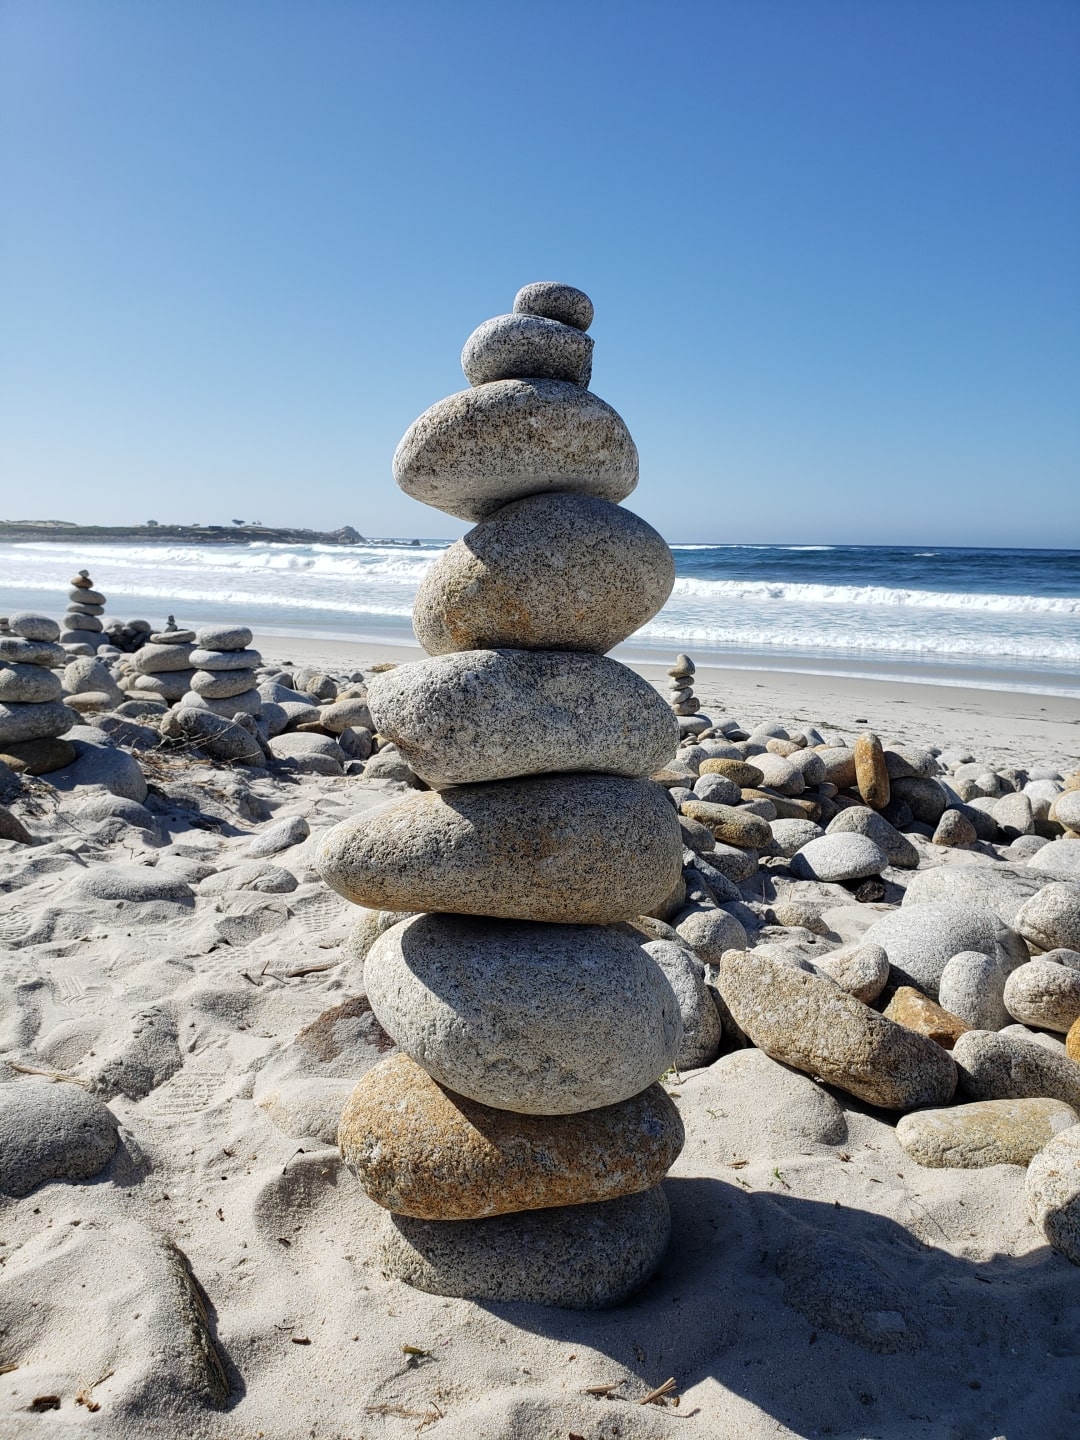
pixel 221 1275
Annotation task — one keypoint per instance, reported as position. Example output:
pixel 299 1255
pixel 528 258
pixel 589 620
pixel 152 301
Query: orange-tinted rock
pixel 740 771
pixel 1072 1042
pixel 871 771
pixel 419 1149
pixel 914 1010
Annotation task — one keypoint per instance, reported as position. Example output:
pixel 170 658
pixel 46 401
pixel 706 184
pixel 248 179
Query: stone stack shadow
pixel 518 1140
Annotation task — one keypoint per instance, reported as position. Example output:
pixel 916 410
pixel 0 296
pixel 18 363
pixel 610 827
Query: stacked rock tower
pixel 82 625
pixel 519 1139
pixel 32 710
pixel 224 678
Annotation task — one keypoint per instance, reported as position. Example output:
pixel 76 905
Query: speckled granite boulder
pixel 861 820
pixel 51 1132
pixel 223 637
pixel 224 660
pixel 554 848
pixel 555 301
pixel 222 684
pixel 701 1027
pixel 32 626
pixel 15 650
pixel 541 1019
pixel 20 721
pixel 578 1257
pixel 1005 1067
pixel 478 449
pixel 556 572
pixel 871 771
pixel 418 1149
pixel 985 1132
pixel 972 986
pixel 730 824
pixel 920 939
pixel 914 1010
pixel 1051 918
pixel 514 347
pixel 1059 860
pixel 807 1022
pixel 1044 994
pixel 1052 1189
pixel 495 714
pixel 32 685
pixel 161 659
pixel 838 858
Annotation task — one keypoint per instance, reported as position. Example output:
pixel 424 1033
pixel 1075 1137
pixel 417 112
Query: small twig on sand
pixel 601 1389
pixel 656 1397
pixel 306 970
pixel 50 1074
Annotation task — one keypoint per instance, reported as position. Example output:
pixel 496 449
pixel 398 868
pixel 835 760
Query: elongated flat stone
pixel 985 1132
pixel 538 1019
pixel 809 1023
pixel 577 1257
pixel 478 449
pixel 569 849
pixel 419 1149
pixel 495 714
pixel 550 572
pixel 34 722
pixel 29 684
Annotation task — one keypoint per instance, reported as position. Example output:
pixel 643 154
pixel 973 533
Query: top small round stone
pixel 555 302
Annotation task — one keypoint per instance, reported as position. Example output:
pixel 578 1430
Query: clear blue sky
pixel 833 246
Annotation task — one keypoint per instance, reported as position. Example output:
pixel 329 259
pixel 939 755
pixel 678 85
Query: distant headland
pixel 239 530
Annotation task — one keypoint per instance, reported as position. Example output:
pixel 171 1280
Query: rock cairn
pixel 32 710
pixel 162 668
pixel 519 1139
pixel 82 625
pixel 682 699
pixel 224 677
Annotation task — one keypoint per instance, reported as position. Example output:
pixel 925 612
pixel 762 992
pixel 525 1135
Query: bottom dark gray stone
pixel 577 1257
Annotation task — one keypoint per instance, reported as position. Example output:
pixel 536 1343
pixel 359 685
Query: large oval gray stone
pixel 550 572
pixel 807 1022
pixel 576 1257
pixel 15 650
pixel 920 939
pixel 1006 1067
pixel 51 1132
pixel 1004 889
pixel 838 857
pixel 1051 918
pixel 1059 860
pixel 478 449
pixel 861 820
pixel 515 347
pixel 972 985
pixel 35 722
pixel 558 848
pixel 494 714
pixel 32 626
pixel 1044 994
pixel 541 1019
pixel 161 659
pixel 28 684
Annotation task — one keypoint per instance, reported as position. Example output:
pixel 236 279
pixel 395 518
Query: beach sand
pixel 818 1282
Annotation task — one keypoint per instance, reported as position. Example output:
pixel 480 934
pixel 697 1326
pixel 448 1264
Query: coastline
pixel 997 724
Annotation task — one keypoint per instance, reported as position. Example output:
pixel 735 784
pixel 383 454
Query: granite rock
pixel 577 1257
pixel 861 820
pixel 280 836
pixel 14 650
pixel 551 848
pixel 476 450
pixel 34 722
pixel 555 301
pixel 222 684
pixel 920 939
pixel 730 824
pixel 37 757
pixel 497 714
pixel 916 1011
pixel 1004 889
pixel 955 830
pixel 539 1019
pixel 223 660
pixel 1005 1067
pixel 418 1149
pixel 94 764
pixel 1052 1190
pixel 806 1021
pixel 838 857
pixel 983 1132
pixel 972 985
pixel 700 1018
pixel 862 970
pixel 32 626
pixel 709 931
pixel 871 771
pixel 1051 918
pixel 517 347
pixel 550 572
pixel 1059 861
pixel 223 637
pixel 161 659
pixel 30 685
pixel 789 836
pixel 51 1132
pixel 1044 994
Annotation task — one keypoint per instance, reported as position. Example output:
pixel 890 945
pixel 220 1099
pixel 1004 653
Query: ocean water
pixel 1004 618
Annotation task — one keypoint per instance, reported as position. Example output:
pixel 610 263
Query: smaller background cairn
pixel 682 699
pixel 162 669
pixel 82 624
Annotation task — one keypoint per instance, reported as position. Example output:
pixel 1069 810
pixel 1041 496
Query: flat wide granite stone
pixel 418 1149
pixel 550 572
pixel 808 1022
pixel 496 714
pixel 986 1132
pixel 478 449
pixel 576 1257
pixel 538 1019
pixel 572 849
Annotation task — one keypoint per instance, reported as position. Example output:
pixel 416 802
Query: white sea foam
pixel 800 592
